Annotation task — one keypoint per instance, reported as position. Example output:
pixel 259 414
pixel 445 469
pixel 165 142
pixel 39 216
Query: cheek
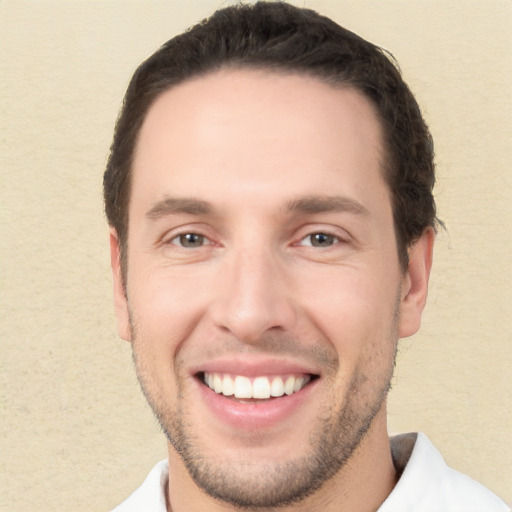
pixel 166 305
pixel 339 295
pixel 356 311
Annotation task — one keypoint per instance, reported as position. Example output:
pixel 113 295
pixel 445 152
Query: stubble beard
pixel 278 484
pixel 334 440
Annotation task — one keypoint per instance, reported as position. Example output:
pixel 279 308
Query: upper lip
pixel 254 366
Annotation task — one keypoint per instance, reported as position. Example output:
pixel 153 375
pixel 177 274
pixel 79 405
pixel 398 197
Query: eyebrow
pixel 307 205
pixel 175 205
pixel 325 204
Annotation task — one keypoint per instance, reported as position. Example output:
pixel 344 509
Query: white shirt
pixel 427 484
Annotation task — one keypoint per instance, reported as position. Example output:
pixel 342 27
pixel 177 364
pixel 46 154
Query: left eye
pixel 190 240
pixel 319 240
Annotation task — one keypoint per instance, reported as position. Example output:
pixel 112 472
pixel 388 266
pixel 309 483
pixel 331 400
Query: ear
pixel 415 284
pixel 120 298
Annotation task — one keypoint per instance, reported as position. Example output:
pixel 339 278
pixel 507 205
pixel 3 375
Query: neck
pixel 362 484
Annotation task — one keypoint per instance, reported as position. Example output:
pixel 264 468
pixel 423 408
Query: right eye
pixel 190 240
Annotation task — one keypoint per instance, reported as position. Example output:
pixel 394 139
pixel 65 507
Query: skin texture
pixel 256 165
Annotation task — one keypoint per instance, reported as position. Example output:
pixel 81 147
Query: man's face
pixel 262 262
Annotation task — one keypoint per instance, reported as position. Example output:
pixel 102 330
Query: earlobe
pixel 415 284
pixel 120 299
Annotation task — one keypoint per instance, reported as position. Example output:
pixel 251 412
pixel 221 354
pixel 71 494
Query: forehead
pixel 259 131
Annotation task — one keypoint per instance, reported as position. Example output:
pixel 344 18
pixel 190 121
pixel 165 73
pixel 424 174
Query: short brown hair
pixel 280 37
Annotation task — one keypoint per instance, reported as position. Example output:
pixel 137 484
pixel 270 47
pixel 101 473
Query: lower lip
pixel 254 415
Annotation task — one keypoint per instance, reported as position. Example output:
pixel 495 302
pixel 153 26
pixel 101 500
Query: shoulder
pixel 150 496
pixel 427 483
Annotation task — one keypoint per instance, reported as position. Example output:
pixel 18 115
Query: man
pixel 269 191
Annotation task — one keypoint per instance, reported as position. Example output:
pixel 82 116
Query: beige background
pixel 75 433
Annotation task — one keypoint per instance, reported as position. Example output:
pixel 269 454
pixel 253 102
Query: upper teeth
pixel 258 387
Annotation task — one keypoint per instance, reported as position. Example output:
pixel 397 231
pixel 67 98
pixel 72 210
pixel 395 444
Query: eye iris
pixel 321 240
pixel 191 240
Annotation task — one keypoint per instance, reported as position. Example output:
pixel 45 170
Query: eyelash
pixel 332 239
pixel 181 240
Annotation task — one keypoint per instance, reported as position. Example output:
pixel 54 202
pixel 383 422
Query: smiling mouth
pixel 258 388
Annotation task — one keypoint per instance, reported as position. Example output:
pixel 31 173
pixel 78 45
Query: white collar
pixel 426 484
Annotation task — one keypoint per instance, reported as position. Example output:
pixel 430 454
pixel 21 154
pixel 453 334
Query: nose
pixel 253 296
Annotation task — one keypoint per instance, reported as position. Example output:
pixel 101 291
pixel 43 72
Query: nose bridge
pixel 253 297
